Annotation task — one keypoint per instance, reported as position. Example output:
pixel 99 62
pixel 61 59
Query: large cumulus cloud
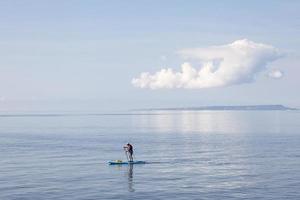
pixel 235 63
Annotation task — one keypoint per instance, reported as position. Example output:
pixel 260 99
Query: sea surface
pixel 190 155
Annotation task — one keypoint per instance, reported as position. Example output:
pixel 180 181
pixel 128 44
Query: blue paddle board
pixel 120 162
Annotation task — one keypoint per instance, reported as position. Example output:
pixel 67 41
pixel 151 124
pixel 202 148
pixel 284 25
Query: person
pixel 129 148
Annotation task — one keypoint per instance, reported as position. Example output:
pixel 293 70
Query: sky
pixel 91 55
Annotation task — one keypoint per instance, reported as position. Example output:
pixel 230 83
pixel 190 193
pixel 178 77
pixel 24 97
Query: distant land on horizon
pixel 245 107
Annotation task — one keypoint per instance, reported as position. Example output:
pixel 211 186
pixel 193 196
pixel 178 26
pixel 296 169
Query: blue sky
pixel 82 55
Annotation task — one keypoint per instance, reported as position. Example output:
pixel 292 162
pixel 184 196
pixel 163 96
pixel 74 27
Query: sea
pixel 189 155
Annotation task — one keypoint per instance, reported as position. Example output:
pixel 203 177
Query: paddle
pixel 126 155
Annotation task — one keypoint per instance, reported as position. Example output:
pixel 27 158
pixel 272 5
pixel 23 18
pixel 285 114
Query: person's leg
pixel 130 156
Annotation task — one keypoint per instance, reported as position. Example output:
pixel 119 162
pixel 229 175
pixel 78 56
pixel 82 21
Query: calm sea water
pixel 191 155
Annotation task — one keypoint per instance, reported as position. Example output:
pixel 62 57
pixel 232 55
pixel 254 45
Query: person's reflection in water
pixel 130 178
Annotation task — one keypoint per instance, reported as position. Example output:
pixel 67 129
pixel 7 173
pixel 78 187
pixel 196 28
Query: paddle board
pixel 120 162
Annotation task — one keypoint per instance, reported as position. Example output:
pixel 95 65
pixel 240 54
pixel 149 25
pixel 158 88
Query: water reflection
pixel 128 174
pixel 208 121
pixel 130 178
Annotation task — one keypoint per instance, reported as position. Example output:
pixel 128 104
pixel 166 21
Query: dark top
pixel 130 148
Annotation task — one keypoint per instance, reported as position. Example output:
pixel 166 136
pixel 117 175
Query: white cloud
pixel 275 74
pixel 224 65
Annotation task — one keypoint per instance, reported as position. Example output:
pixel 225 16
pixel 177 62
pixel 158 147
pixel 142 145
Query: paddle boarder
pixel 129 148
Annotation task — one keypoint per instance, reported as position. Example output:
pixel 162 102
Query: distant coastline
pixel 245 107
